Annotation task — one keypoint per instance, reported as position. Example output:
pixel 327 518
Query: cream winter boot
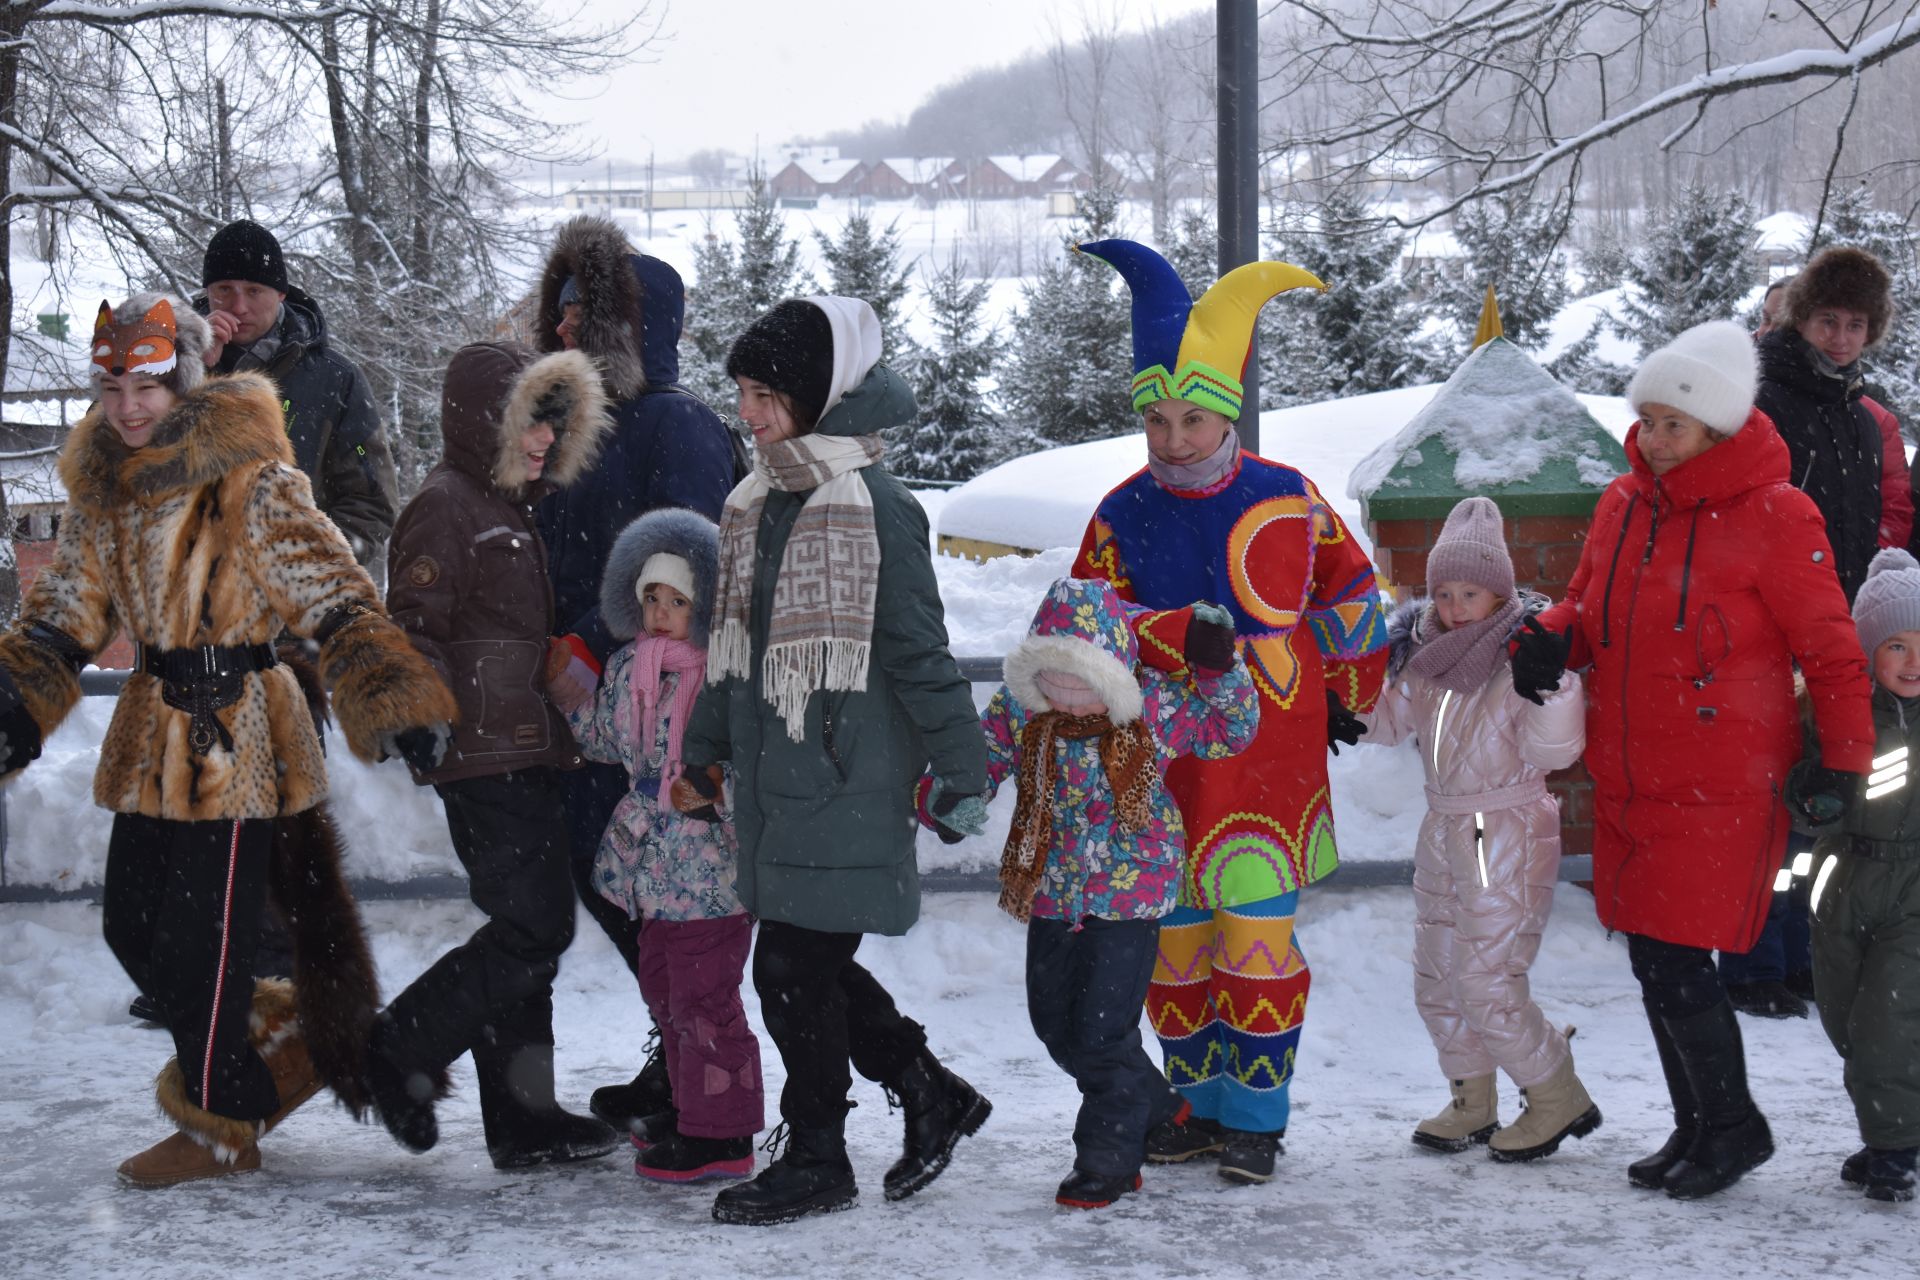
pixel 1556 1108
pixel 1471 1116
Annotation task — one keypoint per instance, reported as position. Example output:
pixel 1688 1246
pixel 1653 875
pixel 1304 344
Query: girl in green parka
pixel 1866 896
pixel 830 690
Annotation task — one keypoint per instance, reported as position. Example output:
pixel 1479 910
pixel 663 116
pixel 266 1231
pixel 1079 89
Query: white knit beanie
pixel 668 570
pixel 1472 547
pixel 1708 372
pixel 1889 600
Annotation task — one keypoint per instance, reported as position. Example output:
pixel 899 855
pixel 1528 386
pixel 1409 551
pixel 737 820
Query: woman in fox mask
pixel 188 526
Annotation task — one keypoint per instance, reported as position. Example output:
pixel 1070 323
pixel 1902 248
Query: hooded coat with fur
pixel 666 447
pixel 208 536
pixel 468 568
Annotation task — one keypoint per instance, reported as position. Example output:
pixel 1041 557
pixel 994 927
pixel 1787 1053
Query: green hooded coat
pixel 827 824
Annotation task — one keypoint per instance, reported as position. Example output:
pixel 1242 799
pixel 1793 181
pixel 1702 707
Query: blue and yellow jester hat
pixel 1182 349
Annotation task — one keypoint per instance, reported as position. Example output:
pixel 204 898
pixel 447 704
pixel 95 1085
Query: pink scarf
pixel 651 656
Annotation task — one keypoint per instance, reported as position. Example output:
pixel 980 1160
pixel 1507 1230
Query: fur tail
pixel 334 980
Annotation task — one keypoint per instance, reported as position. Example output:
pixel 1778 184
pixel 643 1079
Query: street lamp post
pixel 1238 155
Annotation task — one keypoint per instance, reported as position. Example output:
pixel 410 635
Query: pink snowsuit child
pixel 1488 853
pixel 672 872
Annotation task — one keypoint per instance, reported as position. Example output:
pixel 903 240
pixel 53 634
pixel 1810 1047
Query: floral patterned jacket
pixel 656 863
pixel 1094 867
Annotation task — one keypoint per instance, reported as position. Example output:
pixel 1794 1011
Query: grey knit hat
pixel 1889 600
pixel 1472 547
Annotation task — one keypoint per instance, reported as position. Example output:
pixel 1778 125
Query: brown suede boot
pixel 205 1145
pixel 1470 1117
pixel 1557 1108
pixel 275 1032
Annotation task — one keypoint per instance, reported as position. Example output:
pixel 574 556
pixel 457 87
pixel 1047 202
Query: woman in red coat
pixel 1706 577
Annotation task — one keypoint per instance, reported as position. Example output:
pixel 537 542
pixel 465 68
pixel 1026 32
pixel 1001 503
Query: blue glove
pixel 956 815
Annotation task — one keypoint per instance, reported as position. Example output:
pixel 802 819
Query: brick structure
pixel 1547 513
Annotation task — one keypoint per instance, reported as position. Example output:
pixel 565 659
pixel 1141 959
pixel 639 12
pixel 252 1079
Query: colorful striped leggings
pixel 1229 993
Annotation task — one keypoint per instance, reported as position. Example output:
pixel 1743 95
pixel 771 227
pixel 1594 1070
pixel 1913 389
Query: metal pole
pixel 1238 155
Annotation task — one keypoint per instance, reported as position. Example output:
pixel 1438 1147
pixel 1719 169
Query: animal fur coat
pixel 208 536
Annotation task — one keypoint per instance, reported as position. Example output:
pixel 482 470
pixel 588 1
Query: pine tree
pixel 1195 252
pixel 957 435
pixel 1072 358
pixel 1358 336
pixel 866 264
pixel 1694 263
pixel 735 283
pixel 1514 246
pixel 1894 364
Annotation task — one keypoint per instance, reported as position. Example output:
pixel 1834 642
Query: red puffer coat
pixel 1696 594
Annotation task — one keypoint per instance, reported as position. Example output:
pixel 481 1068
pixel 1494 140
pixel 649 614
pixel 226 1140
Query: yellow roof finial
pixel 1489 327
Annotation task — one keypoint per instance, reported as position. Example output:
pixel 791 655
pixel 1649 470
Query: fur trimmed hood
pixel 1081 628
pixel 1842 276
pixel 632 306
pixel 1411 625
pixel 495 392
pixel 224 423
pixel 670 531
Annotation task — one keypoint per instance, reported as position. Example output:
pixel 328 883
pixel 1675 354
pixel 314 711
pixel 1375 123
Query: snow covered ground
pixel 1355 1198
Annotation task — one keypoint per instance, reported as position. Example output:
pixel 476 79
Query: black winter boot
pixel 1732 1138
pixel 1890 1174
pixel 1248 1158
pixel 683 1158
pixel 647 1094
pixel 941 1109
pixel 403 1097
pixel 1651 1171
pixel 812 1175
pixel 523 1123
pixel 649 1130
pixel 1083 1190
pixel 1185 1137
pixel 1853 1170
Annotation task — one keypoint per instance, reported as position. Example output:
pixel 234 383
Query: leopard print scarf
pixel 1126 756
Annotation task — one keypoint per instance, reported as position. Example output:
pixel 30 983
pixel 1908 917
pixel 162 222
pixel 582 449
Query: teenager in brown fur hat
pixel 188 526
pixel 1811 382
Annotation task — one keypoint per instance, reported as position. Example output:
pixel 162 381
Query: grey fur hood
pixel 632 306
pixel 674 531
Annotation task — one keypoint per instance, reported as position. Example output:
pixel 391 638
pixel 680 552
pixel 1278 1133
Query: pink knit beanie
pixel 1472 547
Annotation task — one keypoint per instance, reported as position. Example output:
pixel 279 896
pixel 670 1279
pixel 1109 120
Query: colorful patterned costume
pixel 1230 988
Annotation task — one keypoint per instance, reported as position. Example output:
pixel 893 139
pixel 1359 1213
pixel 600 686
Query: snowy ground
pixel 1355 1197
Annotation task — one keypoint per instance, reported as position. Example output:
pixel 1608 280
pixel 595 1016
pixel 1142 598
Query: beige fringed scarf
pixel 1126 756
pixel 821 633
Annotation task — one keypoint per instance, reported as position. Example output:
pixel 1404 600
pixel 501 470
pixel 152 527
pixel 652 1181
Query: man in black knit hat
pixel 261 321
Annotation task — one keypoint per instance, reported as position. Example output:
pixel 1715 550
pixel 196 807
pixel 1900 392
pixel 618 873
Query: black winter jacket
pixel 335 430
pixel 1834 444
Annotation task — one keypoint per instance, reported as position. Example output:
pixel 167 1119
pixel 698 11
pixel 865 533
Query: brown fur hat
pixel 1842 276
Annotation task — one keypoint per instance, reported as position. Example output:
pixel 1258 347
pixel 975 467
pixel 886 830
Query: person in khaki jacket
pixel 469 585
pixel 1489 849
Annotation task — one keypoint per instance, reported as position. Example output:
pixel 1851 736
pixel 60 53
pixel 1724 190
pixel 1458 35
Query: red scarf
pixel 651 656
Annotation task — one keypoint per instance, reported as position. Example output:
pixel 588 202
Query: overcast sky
pixel 729 70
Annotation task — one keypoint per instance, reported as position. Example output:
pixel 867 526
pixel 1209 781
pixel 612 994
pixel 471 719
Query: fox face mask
pixel 143 346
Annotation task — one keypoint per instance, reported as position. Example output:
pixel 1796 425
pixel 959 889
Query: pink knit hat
pixel 1472 547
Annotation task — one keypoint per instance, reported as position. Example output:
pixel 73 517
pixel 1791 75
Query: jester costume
pixel 1230 986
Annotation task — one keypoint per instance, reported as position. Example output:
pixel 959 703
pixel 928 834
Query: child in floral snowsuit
pixel 673 872
pixel 1093 860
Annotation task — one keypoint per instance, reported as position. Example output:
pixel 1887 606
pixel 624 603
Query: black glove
pixel 20 739
pixel 1818 795
pixel 1210 641
pixel 423 747
pixel 1342 724
pixel 696 793
pixel 1539 660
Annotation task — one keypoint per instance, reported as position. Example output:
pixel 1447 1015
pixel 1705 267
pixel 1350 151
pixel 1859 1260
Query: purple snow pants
pixel 690 973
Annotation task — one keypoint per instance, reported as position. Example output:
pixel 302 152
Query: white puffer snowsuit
pixel 1485 863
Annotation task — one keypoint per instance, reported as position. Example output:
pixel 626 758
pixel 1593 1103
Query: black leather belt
pixel 202 680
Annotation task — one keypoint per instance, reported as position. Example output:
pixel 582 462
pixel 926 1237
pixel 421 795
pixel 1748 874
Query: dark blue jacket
pixel 667 448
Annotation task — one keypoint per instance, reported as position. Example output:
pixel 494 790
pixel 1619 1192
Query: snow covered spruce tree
pixel 1360 335
pixel 1072 352
pixel 1512 244
pixel 1894 366
pixel 864 262
pixel 957 435
pixel 1195 251
pixel 1693 263
pixel 735 283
